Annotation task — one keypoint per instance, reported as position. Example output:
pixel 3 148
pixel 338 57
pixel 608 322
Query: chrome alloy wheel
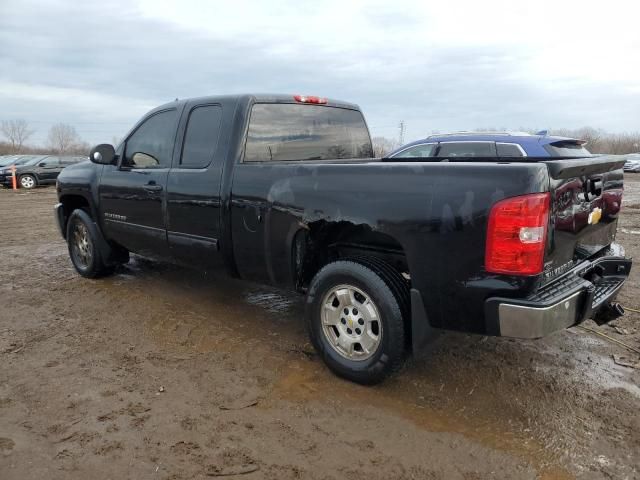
pixel 82 247
pixel 27 182
pixel 351 322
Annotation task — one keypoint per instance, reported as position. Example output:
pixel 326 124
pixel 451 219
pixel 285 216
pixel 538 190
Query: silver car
pixel 633 163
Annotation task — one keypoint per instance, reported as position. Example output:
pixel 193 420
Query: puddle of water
pixel 600 369
pixel 632 232
pixel 303 382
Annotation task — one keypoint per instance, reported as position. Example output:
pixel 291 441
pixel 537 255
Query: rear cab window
pixel 567 148
pixel 299 132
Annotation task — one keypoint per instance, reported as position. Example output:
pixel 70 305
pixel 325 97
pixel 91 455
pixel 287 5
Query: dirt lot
pixel 165 373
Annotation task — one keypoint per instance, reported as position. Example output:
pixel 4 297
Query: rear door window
pixel 467 149
pixel 201 136
pixel 290 132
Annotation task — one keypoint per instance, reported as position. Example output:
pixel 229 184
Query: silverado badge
pixel 595 216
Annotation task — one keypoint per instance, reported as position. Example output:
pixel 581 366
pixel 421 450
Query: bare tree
pixel 17 132
pixel 382 146
pixel 63 137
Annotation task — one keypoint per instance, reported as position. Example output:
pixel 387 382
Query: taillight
pixel 517 234
pixel 309 99
pixel 612 201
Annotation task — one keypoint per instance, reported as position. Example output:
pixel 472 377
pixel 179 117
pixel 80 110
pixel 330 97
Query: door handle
pixel 152 187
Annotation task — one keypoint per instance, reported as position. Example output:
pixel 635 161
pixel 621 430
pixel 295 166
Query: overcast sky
pixel 453 65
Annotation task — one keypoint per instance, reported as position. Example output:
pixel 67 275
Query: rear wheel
pixel 355 322
pixel 28 181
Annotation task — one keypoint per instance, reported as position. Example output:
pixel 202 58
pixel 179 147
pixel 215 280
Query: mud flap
pixel 422 333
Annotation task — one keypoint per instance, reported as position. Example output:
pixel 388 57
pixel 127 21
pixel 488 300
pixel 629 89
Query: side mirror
pixel 42 164
pixel 103 154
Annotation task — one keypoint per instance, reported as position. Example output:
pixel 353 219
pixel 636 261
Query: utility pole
pixel 402 127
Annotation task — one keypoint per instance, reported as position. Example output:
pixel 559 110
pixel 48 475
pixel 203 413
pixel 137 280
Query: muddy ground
pixel 160 372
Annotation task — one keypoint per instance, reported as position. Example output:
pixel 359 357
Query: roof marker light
pixel 310 99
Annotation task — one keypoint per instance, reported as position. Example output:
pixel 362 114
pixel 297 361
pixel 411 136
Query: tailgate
pixel 586 195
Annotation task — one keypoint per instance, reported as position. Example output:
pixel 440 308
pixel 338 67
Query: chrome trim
pixel 521 321
pixel 524 154
pixel 134 225
pixel 467 141
pixel 501 134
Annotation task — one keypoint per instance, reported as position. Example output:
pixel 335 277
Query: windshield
pixel 6 161
pixel 28 160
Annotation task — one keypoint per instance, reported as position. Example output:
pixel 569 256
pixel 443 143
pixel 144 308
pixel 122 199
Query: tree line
pixel 62 139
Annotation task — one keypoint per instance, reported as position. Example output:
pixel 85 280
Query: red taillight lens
pixel 612 201
pixel 310 99
pixel 517 235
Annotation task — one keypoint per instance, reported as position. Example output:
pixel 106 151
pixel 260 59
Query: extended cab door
pixel 133 193
pixel 193 187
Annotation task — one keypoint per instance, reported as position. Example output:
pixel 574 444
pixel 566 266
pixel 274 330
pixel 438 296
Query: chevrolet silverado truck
pixel 284 190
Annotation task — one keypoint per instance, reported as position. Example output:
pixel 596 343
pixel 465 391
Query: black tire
pixel 27 182
pixel 390 350
pixel 83 242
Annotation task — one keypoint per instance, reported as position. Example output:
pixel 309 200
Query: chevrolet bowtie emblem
pixel 595 216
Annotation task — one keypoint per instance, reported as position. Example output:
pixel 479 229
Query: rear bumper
pixel 578 295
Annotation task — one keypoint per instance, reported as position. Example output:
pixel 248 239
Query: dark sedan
pixel 34 170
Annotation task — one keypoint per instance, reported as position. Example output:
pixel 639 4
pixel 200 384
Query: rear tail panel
pixel 586 195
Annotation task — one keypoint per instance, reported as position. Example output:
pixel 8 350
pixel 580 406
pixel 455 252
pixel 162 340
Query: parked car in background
pixel 34 170
pixel 633 163
pixel 8 159
pixel 492 144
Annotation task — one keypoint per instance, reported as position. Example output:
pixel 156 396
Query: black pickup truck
pixel 283 190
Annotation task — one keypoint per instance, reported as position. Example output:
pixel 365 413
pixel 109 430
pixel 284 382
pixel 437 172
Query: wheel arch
pixel 71 202
pixel 323 241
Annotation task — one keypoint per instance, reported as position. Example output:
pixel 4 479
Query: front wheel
pixel 355 322
pixel 28 182
pixel 82 240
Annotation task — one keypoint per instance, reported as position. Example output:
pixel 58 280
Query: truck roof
pixel 258 98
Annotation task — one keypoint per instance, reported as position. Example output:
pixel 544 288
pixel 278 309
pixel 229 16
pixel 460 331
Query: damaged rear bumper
pixel 585 292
